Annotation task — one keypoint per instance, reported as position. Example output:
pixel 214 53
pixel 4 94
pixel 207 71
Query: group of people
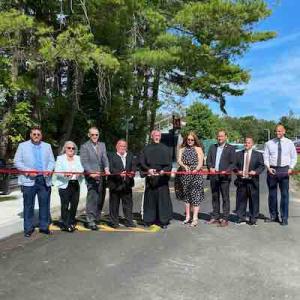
pixel 279 157
pixel 35 161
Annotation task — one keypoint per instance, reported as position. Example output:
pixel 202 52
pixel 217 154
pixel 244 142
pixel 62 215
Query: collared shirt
pixel 95 146
pixel 37 154
pixel 245 157
pixel 288 153
pixel 220 149
pixel 123 158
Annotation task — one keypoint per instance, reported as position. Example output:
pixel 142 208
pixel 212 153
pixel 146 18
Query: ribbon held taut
pixel 49 173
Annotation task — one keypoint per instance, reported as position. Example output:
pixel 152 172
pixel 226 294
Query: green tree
pixel 201 120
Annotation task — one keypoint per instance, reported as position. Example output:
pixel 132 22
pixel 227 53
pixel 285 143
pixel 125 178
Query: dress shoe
pixel 28 233
pixel 69 228
pixel 284 223
pixel 114 225
pixel 223 223
pixel 92 226
pixel 213 221
pixel 45 231
pixel 129 224
pixel 252 223
pixel 271 220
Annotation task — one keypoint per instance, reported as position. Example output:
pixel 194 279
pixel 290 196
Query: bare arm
pixel 179 159
pixel 200 155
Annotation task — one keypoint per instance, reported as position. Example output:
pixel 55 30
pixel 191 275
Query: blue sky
pixel 274 88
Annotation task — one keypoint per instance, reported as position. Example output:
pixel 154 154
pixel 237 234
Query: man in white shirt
pixel 280 157
pixel 120 186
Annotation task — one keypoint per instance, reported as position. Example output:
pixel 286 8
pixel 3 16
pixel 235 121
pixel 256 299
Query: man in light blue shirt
pixel 33 156
pixel 218 156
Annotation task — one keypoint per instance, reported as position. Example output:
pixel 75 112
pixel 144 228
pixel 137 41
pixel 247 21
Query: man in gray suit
pixel 94 161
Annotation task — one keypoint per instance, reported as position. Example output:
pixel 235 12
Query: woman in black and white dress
pixel 189 187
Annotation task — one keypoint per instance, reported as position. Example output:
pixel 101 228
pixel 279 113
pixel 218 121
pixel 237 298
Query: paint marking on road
pixel 106 228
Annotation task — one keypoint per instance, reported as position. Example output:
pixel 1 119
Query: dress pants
pixel 69 198
pixel 281 179
pixel 246 189
pixel 95 199
pixel 220 185
pixel 114 204
pixel 43 192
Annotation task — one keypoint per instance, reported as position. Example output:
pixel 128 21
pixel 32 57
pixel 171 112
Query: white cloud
pixel 277 42
pixel 279 80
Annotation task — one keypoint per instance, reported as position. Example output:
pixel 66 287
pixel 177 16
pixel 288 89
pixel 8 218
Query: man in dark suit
pixel 94 161
pixel 120 186
pixel 249 164
pixel 221 159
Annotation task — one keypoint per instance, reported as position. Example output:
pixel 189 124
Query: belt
pixel 276 167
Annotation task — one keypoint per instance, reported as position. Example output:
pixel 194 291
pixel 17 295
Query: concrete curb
pixel 11 220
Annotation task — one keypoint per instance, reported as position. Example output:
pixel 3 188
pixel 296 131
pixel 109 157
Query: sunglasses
pixel 190 140
pixel 70 148
pixel 36 134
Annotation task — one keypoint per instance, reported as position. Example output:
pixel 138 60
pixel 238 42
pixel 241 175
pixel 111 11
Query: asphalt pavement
pixel 206 262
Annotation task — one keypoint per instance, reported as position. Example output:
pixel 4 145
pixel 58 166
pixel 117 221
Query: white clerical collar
pixel 124 155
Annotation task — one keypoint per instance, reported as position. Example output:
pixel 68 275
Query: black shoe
pixel 69 228
pixel 114 225
pixel 129 224
pixel 252 223
pixel 28 233
pixel 271 220
pixel 92 226
pixel 284 223
pixel 164 226
pixel 45 231
pixel 73 227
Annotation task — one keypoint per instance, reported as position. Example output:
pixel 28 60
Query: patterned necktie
pixel 247 163
pixel 279 153
pixel 98 150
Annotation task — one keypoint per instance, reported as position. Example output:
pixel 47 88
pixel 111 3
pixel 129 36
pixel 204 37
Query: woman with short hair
pixel 68 184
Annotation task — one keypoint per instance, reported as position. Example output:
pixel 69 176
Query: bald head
pixel 280 131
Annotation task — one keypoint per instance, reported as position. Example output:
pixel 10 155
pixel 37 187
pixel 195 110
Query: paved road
pixel 207 262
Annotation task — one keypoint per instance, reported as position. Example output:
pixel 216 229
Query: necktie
pixel 279 154
pixel 247 162
pixel 98 150
pixel 123 161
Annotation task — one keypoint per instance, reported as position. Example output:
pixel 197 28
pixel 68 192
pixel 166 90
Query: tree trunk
pixel 75 81
pixel 154 99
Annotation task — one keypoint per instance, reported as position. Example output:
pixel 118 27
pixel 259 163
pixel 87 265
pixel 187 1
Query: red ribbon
pixel 48 173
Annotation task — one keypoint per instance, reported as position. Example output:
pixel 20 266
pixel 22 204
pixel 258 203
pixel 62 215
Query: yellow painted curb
pixel 106 228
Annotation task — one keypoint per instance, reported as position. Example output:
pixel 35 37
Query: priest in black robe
pixel 156 159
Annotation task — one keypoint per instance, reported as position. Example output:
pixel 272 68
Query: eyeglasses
pixel 36 134
pixel 70 148
pixel 94 134
pixel 190 140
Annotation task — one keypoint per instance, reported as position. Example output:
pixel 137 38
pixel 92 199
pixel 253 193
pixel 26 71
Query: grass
pixel 7 198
